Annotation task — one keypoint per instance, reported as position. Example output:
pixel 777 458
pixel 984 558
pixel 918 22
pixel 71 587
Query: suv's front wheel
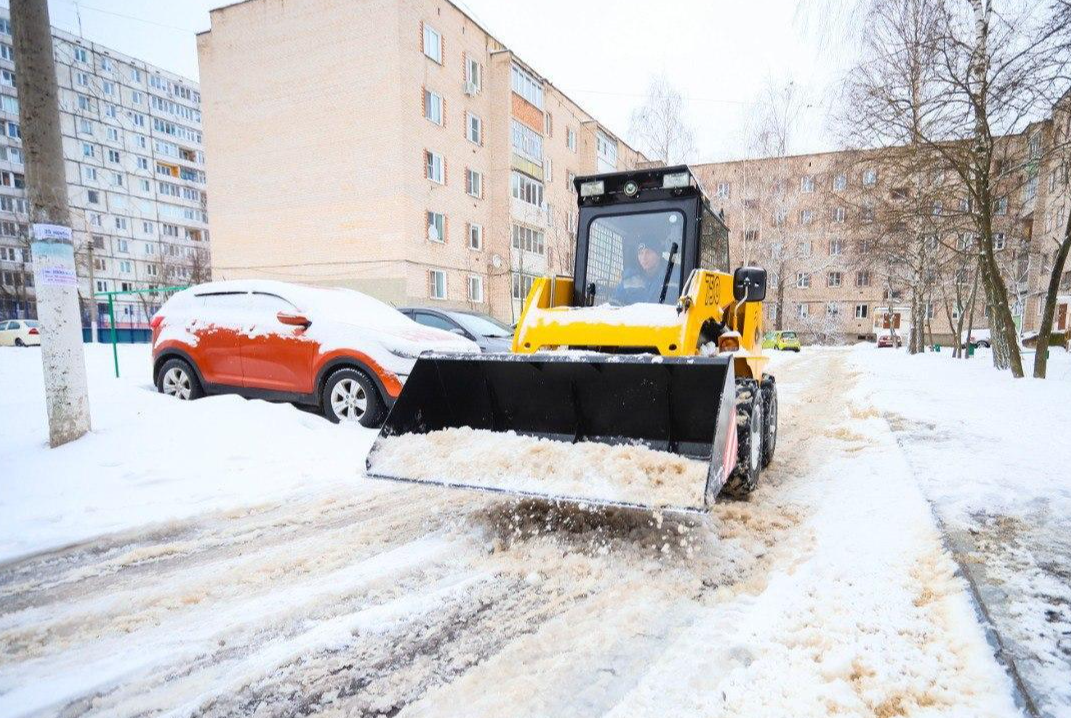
pixel 349 395
pixel 176 378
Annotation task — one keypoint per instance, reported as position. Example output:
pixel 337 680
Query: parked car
pixel 889 340
pixel 782 341
pixel 19 333
pixel 490 334
pixel 337 349
pixel 977 338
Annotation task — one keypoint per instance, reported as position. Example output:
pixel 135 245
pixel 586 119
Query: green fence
pixel 115 332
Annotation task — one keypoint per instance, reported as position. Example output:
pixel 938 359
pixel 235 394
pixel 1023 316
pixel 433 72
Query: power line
pixel 78 5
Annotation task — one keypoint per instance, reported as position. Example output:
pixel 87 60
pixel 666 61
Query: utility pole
pixel 62 354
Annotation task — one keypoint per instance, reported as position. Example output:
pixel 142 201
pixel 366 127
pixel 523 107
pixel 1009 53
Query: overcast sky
pixel 717 53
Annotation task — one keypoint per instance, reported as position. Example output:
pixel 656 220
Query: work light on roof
pixel 676 180
pixel 592 189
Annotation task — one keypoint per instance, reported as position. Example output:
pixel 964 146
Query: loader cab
pixel 641 234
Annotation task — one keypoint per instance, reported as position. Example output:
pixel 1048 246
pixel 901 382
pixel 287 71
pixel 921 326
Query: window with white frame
pixel 606 151
pixel 570 138
pixel 522 284
pixel 807 183
pixel 84 103
pixel 433 106
pixel 120 222
pixel 833 279
pixel 106 63
pixel 723 190
pixel 870 177
pixel 475 288
pixel 123 246
pixel 89 173
pixel 839 214
pixel 1001 206
pixel 80 54
pixel 85 126
pixel 435 167
pixel 548 169
pixel 840 182
pixel 475 236
pixel 526 85
pixel 999 242
pixel 88 150
pixel 474 183
pixel 437 284
pixel 832 310
pixel 803 280
pixel 862 278
pixel 527 239
pixel 436 224
pixel 802 311
pixel 834 247
pixel 861 311
pixel 526 189
pixel 108 87
pixel 81 79
pixel 805 216
pixel 473 74
pixel 125 266
pixel 433 44
pixel 152 270
pixel 113 156
pixel 526 142
pixel 474 129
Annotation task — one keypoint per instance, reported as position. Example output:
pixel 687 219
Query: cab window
pixel 713 242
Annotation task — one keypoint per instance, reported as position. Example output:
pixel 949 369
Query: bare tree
pixel 658 128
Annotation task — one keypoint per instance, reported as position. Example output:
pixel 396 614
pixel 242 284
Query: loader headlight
pixel 631 189
pixel 729 342
pixel 676 180
pixel 592 189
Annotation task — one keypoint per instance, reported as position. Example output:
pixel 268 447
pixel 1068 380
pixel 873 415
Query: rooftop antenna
pixel 78 15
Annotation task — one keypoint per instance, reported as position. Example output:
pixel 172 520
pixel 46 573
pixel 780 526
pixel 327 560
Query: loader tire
pixel 769 416
pixel 749 430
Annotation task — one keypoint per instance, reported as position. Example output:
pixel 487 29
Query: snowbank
pixel 619 474
pixel 151 458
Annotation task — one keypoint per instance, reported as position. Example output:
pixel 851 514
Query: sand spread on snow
pixel 476 457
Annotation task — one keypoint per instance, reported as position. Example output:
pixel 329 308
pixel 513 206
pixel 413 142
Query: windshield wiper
pixel 669 272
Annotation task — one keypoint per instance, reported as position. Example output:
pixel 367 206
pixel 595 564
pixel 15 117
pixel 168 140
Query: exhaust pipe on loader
pixel 637 431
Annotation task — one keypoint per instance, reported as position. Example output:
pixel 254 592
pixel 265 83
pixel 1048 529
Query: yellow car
pixel 783 341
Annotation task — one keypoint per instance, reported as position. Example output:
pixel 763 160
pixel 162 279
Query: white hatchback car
pixel 19 333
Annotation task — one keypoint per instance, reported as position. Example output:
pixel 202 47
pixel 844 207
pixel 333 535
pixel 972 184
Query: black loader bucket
pixel 627 430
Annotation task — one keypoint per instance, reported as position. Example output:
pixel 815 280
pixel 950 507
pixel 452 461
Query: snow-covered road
pixel 827 593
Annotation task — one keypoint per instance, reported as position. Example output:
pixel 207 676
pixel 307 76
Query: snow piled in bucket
pixel 598 472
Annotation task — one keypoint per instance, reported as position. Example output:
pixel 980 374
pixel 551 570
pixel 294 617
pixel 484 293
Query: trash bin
pixel 970 350
pixel 937 348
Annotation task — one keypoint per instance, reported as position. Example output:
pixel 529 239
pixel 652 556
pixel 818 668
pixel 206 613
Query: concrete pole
pixel 62 354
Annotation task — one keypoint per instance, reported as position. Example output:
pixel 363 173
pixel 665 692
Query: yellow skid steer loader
pixel 637 382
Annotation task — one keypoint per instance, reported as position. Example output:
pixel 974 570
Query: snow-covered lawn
pixel 226 557
pixel 151 458
pixel 994 456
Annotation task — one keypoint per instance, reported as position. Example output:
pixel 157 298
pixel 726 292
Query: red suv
pixel 334 348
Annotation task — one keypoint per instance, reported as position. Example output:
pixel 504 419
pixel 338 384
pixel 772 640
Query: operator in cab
pixel 646 281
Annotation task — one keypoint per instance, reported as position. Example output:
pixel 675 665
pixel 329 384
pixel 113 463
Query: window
pixel 150 248
pixel 833 279
pixel 548 169
pixel 113 156
pixel 437 284
pixel 473 75
pixel 1035 145
pixel 803 280
pixel 117 179
pixel 527 239
pixel 964 241
pixel 9 104
pixel 108 87
pixel 106 63
pixel 870 177
pixel 475 288
pixel 834 247
pixel 526 142
pixel 548 124
pixel 436 222
pixel 123 246
pixel 88 150
pixel 85 126
pixel 780 217
pixel 89 173
pixel 522 285
pixel 99 264
pixel 804 249
pixel 435 167
pixel 145 185
pixel 151 270
pixel 527 86
pixel 861 311
pixel 570 138
pixel 840 182
pixel 433 106
pixel 139 121
pixel 606 151
pixel 805 216
pixel 802 311
pixel 7 77
pixel 723 190
pixel 474 129
pixel 113 134
pixel 136 97
pixel 999 242
pixel 938 207
pixel 168 230
pixel 80 54
pixel 807 183
pixel 526 189
pixel 143 163
pixel 81 79
pixel 1001 206
pixel 868 213
pixel 839 214
pixel 135 74
pixel 751 235
pixel 120 222
pixel 475 236
pixel 109 111
pixel 84 103
pixel 124 266
pixel 832 310
pixel 474 183
pixel 93 196
pixel 433 44
pixel 13 130
pixel 862 278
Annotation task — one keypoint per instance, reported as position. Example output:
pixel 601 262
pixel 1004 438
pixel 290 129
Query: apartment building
pixel 392 147
pixel 813 221
pixel 136 179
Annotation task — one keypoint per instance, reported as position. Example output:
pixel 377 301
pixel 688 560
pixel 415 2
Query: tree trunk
pixel 1041 358
pixel 970 317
